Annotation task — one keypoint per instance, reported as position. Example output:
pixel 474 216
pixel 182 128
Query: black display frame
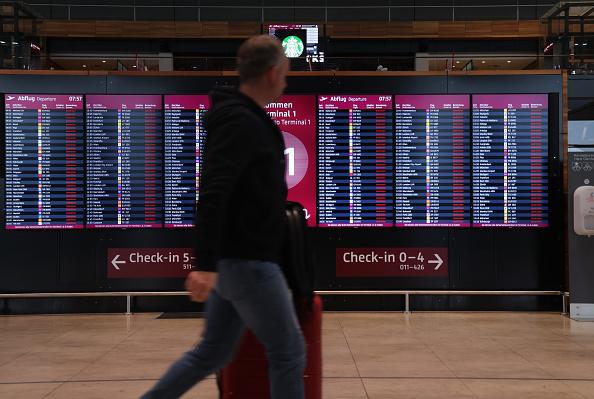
pixel 66 262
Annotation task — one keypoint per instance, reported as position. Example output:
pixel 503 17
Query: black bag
pixel 298 262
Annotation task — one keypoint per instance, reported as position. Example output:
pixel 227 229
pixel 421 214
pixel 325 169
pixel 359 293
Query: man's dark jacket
pixel 240 211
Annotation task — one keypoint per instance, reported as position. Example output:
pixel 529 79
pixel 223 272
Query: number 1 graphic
pixel 291 153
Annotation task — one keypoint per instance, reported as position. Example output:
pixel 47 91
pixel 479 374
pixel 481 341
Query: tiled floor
pixel 365 355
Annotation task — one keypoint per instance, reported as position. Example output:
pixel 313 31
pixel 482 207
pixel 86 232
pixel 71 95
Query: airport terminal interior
pixel 440 152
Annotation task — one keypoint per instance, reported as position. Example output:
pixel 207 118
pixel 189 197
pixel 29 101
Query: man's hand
pixel 199 284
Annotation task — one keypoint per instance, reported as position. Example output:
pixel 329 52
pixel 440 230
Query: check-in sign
pixel 149 262
pixel 391 262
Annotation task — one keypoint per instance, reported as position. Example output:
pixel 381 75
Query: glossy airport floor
pixel 366 355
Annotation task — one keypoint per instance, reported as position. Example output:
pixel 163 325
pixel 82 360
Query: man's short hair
pixel 256 55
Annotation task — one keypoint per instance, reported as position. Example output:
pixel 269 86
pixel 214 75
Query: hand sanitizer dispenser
pixel 583 211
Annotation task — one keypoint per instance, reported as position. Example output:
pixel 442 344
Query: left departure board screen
pixel 124 161
pixel 355 161
pixel 44 161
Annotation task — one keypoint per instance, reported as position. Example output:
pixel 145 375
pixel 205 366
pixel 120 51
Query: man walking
pixel 239 232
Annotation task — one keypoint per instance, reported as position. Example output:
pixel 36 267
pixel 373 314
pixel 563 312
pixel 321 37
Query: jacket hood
pixel 228 96
pixel 225 96
pixel 226 99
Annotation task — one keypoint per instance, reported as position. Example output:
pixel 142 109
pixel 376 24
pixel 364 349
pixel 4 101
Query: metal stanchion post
pixel 564 298
pixel 128 305
pixel 406 302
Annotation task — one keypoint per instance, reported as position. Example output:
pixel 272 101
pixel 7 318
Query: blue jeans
pixel 252 294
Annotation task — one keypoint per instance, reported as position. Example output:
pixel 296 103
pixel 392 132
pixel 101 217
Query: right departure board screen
pixel 124 161
pixel 510 160
pixel 184 145
pixel 432 147
pixel 355 161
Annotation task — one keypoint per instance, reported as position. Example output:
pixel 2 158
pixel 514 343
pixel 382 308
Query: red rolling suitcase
pixel 246 377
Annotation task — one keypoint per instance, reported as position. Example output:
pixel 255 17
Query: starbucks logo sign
pixel 293 46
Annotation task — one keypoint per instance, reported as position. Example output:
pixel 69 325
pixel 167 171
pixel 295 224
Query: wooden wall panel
pixel 575 28
pixel 511 28
pixel 215 29
pixel 25 26
pixel 189 29
pixel 480 28
pixel 452 29
pixel 426 28
pixel 531 28
pixel 151 29
pixel 345 30
pixel 140 29
pixel 110 29
pixel 504 72
pixel 396 30
pixel 373 29
pixel 67 29
pixel 160 29
pixel 243 29
pixel 437 29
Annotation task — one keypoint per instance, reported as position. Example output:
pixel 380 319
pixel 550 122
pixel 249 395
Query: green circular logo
pixel 293 46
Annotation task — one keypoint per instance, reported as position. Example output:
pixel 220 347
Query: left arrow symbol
pixel 115 262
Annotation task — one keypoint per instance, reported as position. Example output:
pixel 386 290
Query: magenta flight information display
pixel 295 116
pixel 510 160
pixel 184 145
pixel 432 150
pixel 44 161
pixel 355 161
pixel 124 161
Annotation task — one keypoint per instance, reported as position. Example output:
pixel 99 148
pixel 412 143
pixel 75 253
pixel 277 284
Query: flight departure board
pixel 432 149
pixel 124 161
pixel 44 161
pixel 184 145
pixel 355 160
pixel 510 160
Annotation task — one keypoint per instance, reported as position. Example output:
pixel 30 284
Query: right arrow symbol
pixel 438 262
